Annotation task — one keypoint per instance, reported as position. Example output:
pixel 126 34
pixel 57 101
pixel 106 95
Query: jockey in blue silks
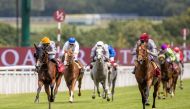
pixel 112 55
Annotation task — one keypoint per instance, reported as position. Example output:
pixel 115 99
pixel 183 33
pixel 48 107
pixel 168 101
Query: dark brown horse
pixel 144 74
pixel 169 76
pixel 47 74
pixel 72 74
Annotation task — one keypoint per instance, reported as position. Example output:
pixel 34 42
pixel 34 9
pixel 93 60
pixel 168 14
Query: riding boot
pixel 182 64
pixel 56 63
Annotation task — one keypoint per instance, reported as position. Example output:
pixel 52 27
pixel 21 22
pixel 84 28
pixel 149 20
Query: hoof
pixel 93 96
pixel 99 95
pixel 71 99
pixel 79 94
pixel 36 101
pixel 181 88
pixel 147 104
pixel 159 97
pixel 51 100
pixel 108 99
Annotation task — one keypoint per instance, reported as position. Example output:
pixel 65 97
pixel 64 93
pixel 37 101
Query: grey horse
pixel 112 76
pixel 99 74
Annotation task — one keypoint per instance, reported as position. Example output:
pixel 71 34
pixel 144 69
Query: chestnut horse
pixel 169 76
pixel 47 74
pixel 72 74
pixel 144 74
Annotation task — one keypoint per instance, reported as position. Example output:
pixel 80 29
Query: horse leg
pixel 159 89
pixel 181 75
pixel 93 95
pixel 175 83
pixel 147 89
pixel 40 84
pixel 104 90
pixel 72 91
pixel 156 88
pixel 113 87
pixel 142 95
pixel 98 91
pixel 171 88
pixel 58 81
pixel 164 89
pixel 79 85
pixel 52 93
pixel 109 83
pixel 47 91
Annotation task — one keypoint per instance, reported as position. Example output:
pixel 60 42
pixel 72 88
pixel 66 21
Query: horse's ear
pixel 35 46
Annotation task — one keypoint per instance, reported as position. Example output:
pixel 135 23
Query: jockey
pixel 93 54
pixel 49 45
pixel 151 50
pixel 168 52
pixel 74 45
pixel 112 55
pixel 179 55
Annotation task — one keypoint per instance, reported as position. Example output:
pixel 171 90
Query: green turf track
pixel 125 98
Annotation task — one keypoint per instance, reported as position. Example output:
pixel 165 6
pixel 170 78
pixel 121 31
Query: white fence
pixel 23 79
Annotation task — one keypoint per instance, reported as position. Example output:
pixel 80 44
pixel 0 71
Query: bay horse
pixel 47 74
pixel 144 75
pixel 72 74
pixel 169 75
pixel 99 74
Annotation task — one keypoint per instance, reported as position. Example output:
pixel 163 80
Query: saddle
pixel 59 65
pixel 157 71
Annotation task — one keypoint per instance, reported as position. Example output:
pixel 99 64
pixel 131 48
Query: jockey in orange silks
pixel 48 45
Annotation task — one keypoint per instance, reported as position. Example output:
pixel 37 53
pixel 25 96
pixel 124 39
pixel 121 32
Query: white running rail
pixel 23 79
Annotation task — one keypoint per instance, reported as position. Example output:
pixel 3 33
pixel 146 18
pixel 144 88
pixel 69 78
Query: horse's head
pixel 161 58
pixel 69 56
pixel 142 54
pixel 99 53
pixel 41 55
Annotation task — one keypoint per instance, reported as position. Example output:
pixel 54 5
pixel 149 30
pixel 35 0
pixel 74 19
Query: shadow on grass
pixel 67 102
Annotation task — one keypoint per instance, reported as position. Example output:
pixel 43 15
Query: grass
pixel 125 98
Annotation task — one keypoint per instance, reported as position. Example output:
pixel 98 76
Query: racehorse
pixel 169 76
pixel 47 74
pixel 99 74
pixel 72 74
pixel 112 76
pixel 144 75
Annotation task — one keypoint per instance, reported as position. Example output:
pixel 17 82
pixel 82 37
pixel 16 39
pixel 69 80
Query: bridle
pixel 142 54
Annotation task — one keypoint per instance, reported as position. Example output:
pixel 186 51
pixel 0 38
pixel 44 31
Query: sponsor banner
pixel 24 56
